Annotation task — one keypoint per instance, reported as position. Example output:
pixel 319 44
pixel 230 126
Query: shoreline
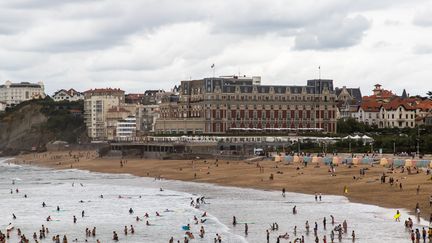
pixel 365 189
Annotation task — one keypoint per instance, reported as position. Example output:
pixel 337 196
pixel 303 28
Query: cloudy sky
pixel 147 44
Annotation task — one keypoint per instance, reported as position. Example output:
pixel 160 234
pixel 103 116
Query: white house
pixel 70 95
pixel 368 113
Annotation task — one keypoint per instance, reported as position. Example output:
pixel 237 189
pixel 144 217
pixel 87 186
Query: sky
pixel 137 45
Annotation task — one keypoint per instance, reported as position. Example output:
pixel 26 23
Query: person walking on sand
pixel 268 236
pixel 283 192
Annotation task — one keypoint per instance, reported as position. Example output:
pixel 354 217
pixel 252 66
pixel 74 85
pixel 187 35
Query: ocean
pixel 75 191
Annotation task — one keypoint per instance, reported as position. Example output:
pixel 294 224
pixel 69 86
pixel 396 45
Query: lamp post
pixel 298 146
pixel 394 147
pixel 349 145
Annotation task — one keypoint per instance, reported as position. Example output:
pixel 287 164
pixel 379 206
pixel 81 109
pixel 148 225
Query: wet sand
pixel 311 179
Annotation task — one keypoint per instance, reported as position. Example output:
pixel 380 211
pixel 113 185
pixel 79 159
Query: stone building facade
pixel 220 105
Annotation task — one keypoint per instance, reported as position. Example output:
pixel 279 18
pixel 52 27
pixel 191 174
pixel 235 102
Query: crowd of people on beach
pixel 337 230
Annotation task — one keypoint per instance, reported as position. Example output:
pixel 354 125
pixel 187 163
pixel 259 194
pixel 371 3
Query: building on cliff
pixel 14 93
pixel 70 95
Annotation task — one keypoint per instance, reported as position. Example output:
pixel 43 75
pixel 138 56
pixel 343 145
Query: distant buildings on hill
pixel 230 104
pixel 69 95
pixel 385 109
pixel 12 94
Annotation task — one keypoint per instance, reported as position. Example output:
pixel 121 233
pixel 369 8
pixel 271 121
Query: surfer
pixel 43 204
pixel 74 219
pixel 82 214
pixel 58 208
pixel 294 210
pixel 234 221
pixel 246 229
pixel 131 211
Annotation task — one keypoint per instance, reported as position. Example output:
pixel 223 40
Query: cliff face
pixel 34 124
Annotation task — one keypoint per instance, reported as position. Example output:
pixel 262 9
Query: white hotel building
pixel 12 94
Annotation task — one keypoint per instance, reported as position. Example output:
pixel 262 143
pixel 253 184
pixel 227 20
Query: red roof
pixel 371 106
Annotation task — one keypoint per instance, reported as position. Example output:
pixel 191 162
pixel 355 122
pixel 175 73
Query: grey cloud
pixel 422 49
pixel 334 33
pixel 423 18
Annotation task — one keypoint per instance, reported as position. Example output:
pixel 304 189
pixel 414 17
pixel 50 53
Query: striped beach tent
pixel 384 161
pixel 336 160
pixel 316 160
pixel 366 160
pixel 409 163
pixel 289 159
pixel 422 163
pixel 356 161
pixel 328 160
pixel 398 162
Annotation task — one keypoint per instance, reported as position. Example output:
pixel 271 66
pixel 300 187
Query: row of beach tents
pixel 335 160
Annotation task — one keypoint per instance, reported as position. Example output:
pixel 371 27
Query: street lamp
pixel 298 146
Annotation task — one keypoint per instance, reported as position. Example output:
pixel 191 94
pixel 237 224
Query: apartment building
pixel 97 103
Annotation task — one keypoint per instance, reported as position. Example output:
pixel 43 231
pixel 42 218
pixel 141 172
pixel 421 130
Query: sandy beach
pixel 312 179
